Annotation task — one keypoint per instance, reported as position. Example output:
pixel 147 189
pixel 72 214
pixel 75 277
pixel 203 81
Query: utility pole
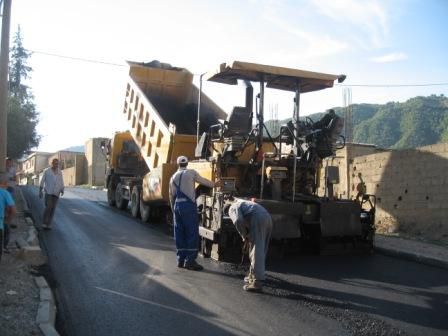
pixel 4 62
pixel 348 120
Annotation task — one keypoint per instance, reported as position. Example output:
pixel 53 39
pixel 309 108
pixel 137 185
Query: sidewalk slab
pixel 32 255
pixel 48 330
pixel 46 313
pixel 421 252
pixel 46 295
pixel 25 208
pixel 41 282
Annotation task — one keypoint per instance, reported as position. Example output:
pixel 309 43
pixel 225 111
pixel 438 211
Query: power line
pixel 122 65
pixel 75 58
pixel 393 85
pixel 81 59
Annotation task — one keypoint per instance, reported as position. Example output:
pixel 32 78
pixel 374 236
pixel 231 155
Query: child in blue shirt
pixel 7 211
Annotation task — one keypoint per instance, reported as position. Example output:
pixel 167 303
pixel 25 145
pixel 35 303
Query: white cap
pixel 182 160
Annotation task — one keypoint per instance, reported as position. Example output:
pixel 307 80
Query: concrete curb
pixel 29 247
pixel 32 238
pixel 46 314
pixel 33 255
pixel 26 210
pixel 420 258
pixel 29 221
pixel 30 250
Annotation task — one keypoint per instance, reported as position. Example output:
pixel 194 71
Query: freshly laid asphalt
pixel 115 275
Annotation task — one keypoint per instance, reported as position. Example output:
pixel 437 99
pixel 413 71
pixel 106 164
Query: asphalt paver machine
pixel 282 172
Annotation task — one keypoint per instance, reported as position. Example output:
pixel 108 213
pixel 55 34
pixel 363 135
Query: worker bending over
pixel 183 205
pixel 254 224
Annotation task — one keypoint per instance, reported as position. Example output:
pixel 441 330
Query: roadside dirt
pixel 19 296
pixel 423 232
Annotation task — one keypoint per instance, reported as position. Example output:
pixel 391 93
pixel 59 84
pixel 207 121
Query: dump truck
pixel 169 116
pixel 160 106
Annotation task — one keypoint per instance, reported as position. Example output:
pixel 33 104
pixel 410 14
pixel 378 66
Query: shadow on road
pixel 372 284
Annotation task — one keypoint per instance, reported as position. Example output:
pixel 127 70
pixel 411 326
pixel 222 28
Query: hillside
pixel 79 149
pixel 419 121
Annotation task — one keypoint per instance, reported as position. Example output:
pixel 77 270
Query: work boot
pixel 193 266
pixel 253 286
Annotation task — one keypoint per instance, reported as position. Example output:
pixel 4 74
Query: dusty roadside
pixel 19 295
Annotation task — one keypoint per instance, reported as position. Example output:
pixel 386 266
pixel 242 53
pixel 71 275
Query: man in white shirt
pixel 183 205
pixel 53 185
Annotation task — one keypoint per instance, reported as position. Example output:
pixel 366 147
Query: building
pixel 96 161
pixel 77 167
pixel 73 166
pixel 30 168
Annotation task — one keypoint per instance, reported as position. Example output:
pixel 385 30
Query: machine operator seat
pixel 238 123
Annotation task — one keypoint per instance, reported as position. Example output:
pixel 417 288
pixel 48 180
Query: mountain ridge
pixel 417 122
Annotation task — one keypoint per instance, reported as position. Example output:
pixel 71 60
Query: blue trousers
pixel 186 231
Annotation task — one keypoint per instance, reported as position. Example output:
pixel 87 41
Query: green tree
pixel 22 115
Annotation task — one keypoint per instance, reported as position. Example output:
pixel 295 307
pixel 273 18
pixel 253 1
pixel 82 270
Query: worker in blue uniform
pixel 183 204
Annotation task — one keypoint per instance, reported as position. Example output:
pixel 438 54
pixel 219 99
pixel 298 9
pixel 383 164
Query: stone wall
pixel 411 187
pixel 345 188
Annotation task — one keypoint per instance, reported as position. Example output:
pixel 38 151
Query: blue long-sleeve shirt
pixel 5 202
pixel 241 211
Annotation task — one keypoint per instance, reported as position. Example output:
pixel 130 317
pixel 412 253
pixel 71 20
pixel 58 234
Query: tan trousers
pixel 50 206
pixel 259 236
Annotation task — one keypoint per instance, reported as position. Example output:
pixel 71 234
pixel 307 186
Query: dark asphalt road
pixel 117 276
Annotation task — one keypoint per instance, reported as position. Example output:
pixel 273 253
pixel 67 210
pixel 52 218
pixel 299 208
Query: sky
pixel 80 48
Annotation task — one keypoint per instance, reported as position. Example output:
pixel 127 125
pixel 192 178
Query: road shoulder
pixel 422 252
pixel 27 301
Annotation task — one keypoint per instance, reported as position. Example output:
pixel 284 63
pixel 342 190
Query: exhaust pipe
pixel 249 103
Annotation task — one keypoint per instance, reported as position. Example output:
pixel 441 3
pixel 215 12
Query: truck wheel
pixel 169 221
pixel 110 195
pixel 120 202
pixel 135 202
pixel 145 211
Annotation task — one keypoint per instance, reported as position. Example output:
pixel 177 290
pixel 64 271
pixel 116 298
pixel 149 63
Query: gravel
pixel 357 323
pixel 19 297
